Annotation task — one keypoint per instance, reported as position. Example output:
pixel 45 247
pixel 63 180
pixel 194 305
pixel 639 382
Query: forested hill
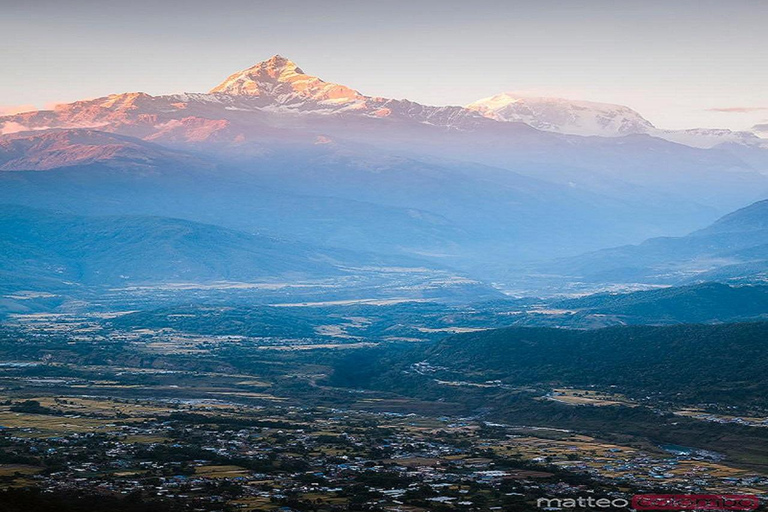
pixel 693 362
pixel 701 303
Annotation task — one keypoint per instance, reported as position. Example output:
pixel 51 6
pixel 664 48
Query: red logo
pixel 695 502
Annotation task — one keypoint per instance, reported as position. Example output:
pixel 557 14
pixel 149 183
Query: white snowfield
pixel 589 118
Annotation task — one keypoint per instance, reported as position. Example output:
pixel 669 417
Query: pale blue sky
pixel 673 60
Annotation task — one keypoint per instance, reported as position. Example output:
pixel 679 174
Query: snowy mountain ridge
pixel 278 86
pixel 589 118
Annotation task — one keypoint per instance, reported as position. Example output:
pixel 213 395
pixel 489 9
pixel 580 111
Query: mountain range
pixel 278 85
pixel 49 257
pixel 272 151
pixel 732 249
pixel 591 118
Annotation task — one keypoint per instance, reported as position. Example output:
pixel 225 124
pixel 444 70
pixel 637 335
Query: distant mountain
pixel 564 116
pixel 591 118
pixel 38 244
pixel 734 248
pixel 238 110
pixel 45 251
pixel 65 148
pixel 280 152
pixel 750 220
pixel 349 197
pixel 279 80
pixel 279 86
pixel 714 138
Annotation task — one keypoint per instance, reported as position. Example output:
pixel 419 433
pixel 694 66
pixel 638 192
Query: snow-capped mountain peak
pixel 563 115
pixel 577 117
pixel 281 80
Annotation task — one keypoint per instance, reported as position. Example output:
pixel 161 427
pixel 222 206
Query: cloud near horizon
pixel 737 110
